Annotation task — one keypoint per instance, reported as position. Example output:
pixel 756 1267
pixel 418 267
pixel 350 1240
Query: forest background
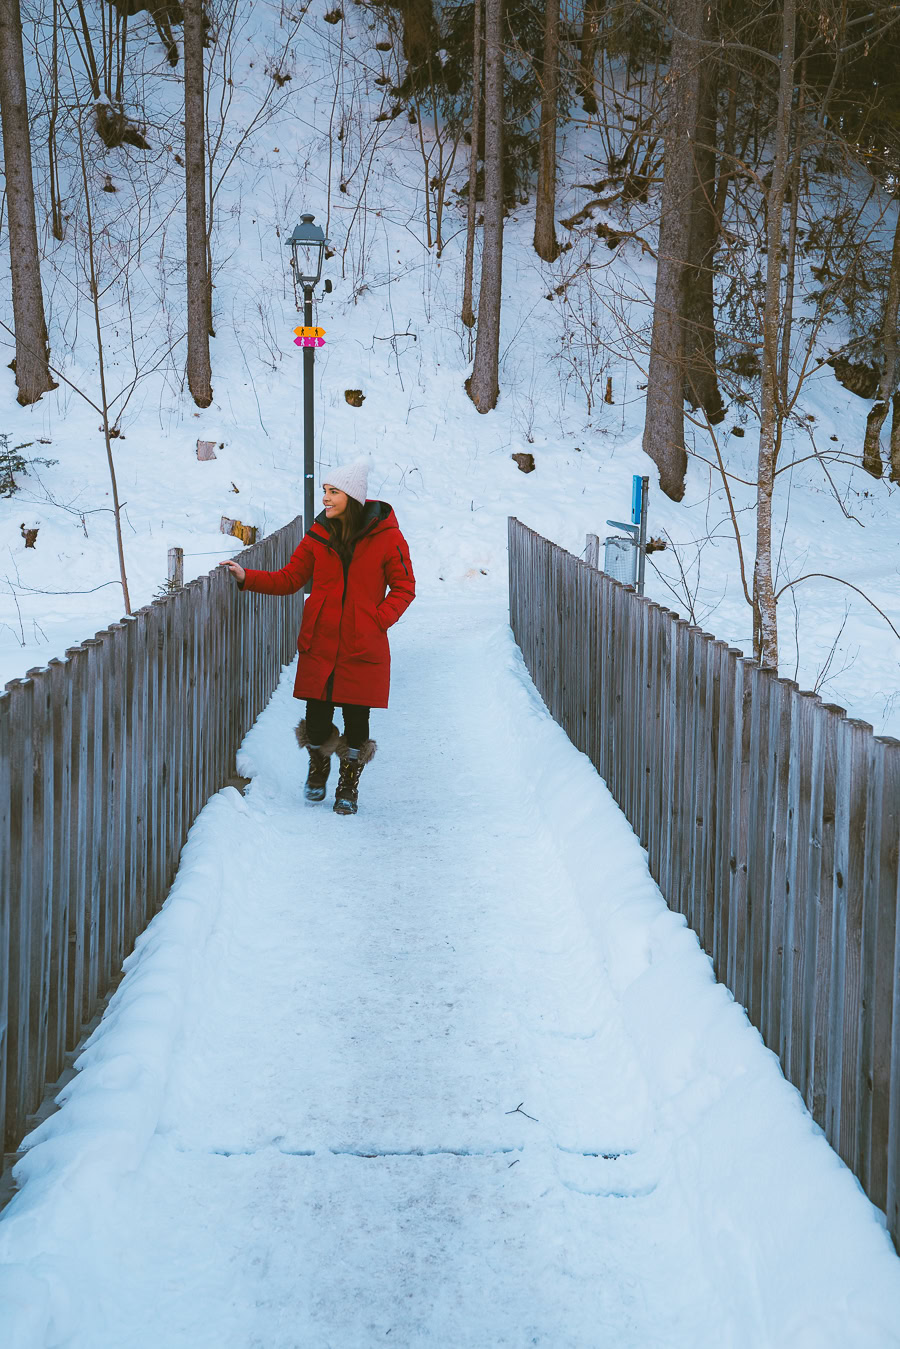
pixel 605 239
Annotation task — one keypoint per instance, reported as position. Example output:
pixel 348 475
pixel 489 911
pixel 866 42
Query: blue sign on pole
pixel 637 496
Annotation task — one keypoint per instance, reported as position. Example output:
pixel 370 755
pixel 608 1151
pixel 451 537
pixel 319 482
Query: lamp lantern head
pixel 307 245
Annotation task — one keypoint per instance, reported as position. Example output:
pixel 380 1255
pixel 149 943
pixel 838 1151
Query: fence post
pixel 41 917
pixel 798 988
pixel 176 568
pixel 759 843
pixel 849 855
pixel 118 790
pixel 699 774
pixel 677 701
pixel 156 620
pixel 7 898
pixel 879 958
pixel 780 707
pixel 175 734
pixel 59 675
pixel 92 785
pixel 133 779
pixel 19 1102
pixel 714 834
pixel 649 743
pixel 886 1104
pixel 592 551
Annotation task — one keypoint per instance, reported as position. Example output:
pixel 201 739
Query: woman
pixel 362 581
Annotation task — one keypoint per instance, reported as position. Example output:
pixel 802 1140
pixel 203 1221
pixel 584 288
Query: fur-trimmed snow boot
pixel 319 760
pixel 353 761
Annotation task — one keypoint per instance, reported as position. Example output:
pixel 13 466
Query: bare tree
pixel 890 374
pixel 199 294
pixel 772 412
pixel 701 386
pixel 664 424
pixel 56 212
pixel 468 314
pixel 545 244
pixel 32 355
pixel 104 399
pixel 438 154
pixel 483 384
pixel 587 54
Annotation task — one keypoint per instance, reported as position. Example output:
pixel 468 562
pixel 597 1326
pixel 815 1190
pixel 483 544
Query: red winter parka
pixel 346 616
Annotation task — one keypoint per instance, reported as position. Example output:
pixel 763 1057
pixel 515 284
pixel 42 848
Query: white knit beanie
pixel 352 479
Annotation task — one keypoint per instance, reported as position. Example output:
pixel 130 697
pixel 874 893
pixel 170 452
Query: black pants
pixel 319 718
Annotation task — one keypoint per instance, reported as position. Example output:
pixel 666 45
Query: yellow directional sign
pixel 309 332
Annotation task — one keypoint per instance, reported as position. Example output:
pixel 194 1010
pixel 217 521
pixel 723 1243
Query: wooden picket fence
pixel 771 821
pixel 106 758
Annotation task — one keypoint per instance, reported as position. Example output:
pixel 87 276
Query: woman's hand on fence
pixel 236 570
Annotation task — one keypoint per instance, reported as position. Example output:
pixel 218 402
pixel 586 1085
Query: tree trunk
pixel 701 385
pixel 545 244
pixel 772 412
pixel 793 177
pixel 664 422
pixel 56 215
pixel 32 356
pixel 587 54
pixel 895 440
pixel 726 166
pixel 891 372
pixel 872 446
pixel 101 365
pixel 468 316
pixel 199 299
pixel 483 384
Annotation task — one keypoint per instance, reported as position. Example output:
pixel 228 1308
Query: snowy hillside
pixel 393 331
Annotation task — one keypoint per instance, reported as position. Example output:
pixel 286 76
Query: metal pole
pixel 309 454
pixel 642 538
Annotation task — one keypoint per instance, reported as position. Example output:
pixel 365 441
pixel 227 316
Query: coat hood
pixel 377 515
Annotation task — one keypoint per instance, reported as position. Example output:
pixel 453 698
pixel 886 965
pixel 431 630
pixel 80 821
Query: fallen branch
pixel 519 1111
pixel 588 210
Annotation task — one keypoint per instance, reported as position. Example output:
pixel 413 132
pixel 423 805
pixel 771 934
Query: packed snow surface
pixel 447 1073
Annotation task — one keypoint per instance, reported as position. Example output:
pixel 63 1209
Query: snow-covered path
pixel 298 1125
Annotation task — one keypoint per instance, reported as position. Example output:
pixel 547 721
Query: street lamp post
pixel 307 245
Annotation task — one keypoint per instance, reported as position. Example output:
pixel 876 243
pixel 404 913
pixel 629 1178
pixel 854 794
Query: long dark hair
pixel 345 529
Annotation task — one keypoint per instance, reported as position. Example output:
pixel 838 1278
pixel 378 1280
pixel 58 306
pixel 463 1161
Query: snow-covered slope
pixel 393 331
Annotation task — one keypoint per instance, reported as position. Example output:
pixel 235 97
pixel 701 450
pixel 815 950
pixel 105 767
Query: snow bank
pixel 110 1109
pixel 798 1245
